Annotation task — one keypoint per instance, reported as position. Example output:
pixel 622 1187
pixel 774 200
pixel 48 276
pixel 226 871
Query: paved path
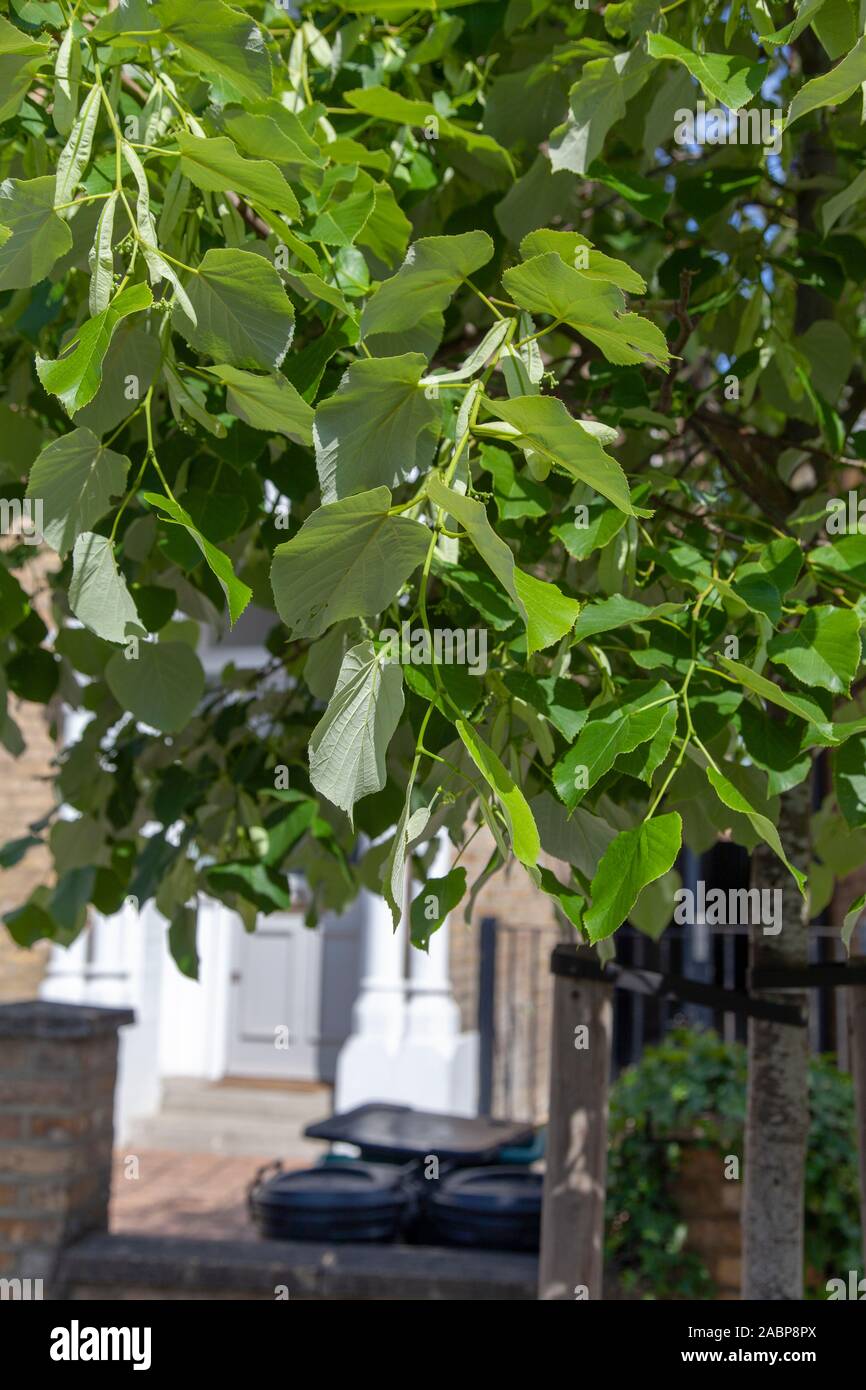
pixel 183 1194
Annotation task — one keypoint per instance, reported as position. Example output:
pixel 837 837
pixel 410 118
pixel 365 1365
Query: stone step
pixel 183 1096
pixel 199 1134
pixel 237 1121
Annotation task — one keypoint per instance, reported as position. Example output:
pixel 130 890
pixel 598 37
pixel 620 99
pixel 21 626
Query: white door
pixel 292 991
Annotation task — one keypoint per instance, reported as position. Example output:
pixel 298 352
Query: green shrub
pixel 693 1086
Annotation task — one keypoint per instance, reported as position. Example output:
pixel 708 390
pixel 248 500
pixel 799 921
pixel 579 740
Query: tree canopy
pixel 527 321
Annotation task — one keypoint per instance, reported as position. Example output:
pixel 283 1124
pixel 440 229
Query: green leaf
pixel 267 403
pixel 436 899
pixel 546 285
pixel 834 207
pixel 21 56
pixel 158 268
pixel 618 611
pixel 480 590
pixel 654 908
pixel 350 558
pixel 75 155
pixel 345 210
pixel 410 828
pixel 516 494
pixel 392 106
pixel 254 882
pixel 214 165
pixel 602 524
pixel 596 102
pixel 806 12
pixel 349 743
pixel 570 901
pixel 376 428
pixel 77 843
pixel 182 941
pixel 237 593
pixel 14 850
pixel 38 237
pixel 577 251
pixel 613 727
pixel 160 687
pixel 824 650
pixel 186 396
pixel 735 801
pixel 755 591
pixel 475 359
pixel 634 859
pixel 67 74
pixel 846 557
pixel 831 88
pixel 543 424
pixel 216 41
pixel 101 259
pixel 273 132
pixel 641 762
pixel 521 824
pixel 727 78
pixel 852 917
pixel 387 230
pixel 76 478
pixel 242 313
pixel 579 838
pixel 75 377
pixel 849 780
pixel 647 196
pixel 411 303
pixel 547 613
pixel 98 595
pixel 14 608
pixel 776 745
pixel 837 27
pixel 556 697
pixel 800 705
pixel 312 287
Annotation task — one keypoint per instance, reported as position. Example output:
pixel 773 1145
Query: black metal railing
pixel 514 1002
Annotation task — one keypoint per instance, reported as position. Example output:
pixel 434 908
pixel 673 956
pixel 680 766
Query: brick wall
pixel 58 1065
pixel 27 795
pixel 528 933
pixel 710 1203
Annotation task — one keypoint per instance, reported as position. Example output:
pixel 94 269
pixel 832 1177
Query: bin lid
pixel 398 1131
pixel 493 1191
pixel 356 1185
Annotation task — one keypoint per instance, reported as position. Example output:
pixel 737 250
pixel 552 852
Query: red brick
pixel 85 1191
pixel 35 1092
pixel 9 1194
pixel 58 1128
pixel 44 1230
pixel 711 1235
pixel 727 1271
pixel 17 1055
pixel 49 1197
pixel 11 1127
pixel 32 1161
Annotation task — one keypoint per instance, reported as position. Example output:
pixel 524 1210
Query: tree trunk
pixel 777 1110
pixel 857 1041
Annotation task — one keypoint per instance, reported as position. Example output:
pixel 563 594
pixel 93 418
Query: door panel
pixel 288 978
pixel 274 969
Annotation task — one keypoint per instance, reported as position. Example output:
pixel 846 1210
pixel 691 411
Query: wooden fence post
pixel 857 1052
pixel 572 1220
